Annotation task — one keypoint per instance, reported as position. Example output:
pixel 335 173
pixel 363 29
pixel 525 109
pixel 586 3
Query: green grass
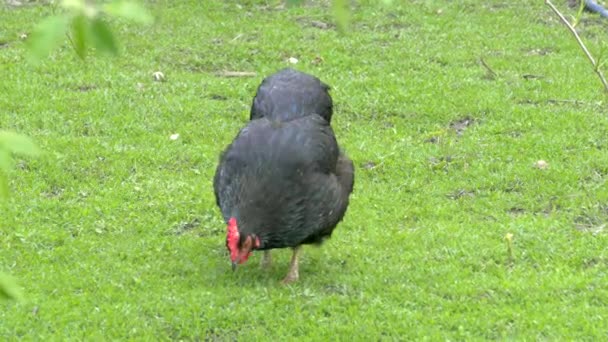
pixel 114 233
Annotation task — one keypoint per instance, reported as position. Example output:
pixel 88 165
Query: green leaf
pixel 3 186
pixel 129 10
pixel 9 288
pixel 103 39
pixel 18 144
pixel 6 161
pixel 80 32
pixel 82 7
pixel 292 3
pixel 341 14
pixel 47 35
pixel 74 5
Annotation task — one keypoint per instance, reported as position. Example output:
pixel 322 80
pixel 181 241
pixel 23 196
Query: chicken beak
pixel 234 263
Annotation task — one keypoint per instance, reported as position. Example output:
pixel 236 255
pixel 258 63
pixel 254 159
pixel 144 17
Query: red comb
pixel 232 238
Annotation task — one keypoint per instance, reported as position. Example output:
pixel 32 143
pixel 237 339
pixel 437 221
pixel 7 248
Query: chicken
pixel 282 184
pixel 289 94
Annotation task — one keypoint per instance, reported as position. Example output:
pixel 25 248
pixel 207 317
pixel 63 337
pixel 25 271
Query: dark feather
pixel 290 94
pixel 285 182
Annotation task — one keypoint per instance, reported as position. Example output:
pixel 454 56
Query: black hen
pixel 282 184
pixel 290 94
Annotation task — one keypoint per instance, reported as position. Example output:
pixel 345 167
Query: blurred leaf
pixel 341 13
pixel 3 186
pixel 129 10
pixel 11 142
pixel 6 161
pixel 80 33
pixel 102 37
pixel 18 144
pixel 82 7
pixel 47 35
pixel 291 3
pixel 74 5
pixel 9 288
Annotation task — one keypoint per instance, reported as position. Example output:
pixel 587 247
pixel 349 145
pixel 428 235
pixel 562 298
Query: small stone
pixel 541 164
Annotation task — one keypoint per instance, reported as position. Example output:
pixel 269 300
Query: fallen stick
pixel 236 74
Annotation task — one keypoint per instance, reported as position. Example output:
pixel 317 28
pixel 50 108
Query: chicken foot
pixel 266 260
pixel 293 274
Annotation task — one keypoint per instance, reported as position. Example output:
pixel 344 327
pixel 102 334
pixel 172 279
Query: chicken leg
pixel 293 274
pixel 266 260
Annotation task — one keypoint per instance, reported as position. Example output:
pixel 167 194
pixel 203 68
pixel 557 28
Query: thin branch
pixel 580 43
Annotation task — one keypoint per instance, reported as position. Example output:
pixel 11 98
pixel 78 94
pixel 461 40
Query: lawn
pixel 113 233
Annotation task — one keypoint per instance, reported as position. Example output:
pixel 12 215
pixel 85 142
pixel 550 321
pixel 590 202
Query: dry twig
pixel 596 67
pixel 235 74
